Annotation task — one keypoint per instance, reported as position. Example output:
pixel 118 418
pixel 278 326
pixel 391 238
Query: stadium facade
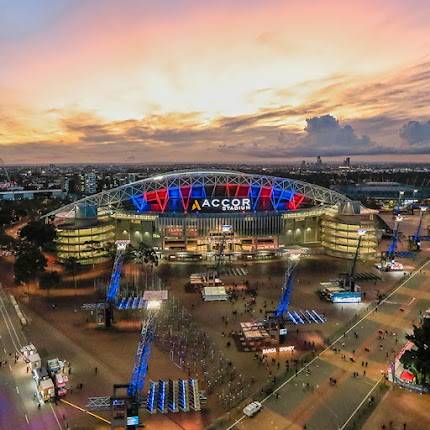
pixel 189 215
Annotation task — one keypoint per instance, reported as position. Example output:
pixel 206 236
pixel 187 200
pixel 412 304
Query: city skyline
pixel 214 81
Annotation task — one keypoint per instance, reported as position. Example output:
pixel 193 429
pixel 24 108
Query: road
pixel 18 410
pixel 309 401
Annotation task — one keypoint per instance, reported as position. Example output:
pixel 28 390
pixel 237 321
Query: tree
pixel 49 280
pixel 71 264
pixel 417 360
pixel 6 215
pixel 29 263
pixel 38 233
pixel 146 254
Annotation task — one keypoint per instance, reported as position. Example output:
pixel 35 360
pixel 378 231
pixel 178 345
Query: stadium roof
pixel 181 180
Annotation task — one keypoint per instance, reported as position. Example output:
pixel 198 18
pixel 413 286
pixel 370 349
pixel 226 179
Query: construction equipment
pixel 137 381
pixel 286 289
pixel 282 315
pixel 417 238
pixel 388 262
pixel 345 289
pixel 113 290
pixel 125 407
pixel 348 281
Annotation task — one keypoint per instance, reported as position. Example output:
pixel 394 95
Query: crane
pixel 388 262
pixel 128 398
pixel 348 281
pixel 113 290
pixel 394 239
pixel 415 240
pixel 282 308
pixel 140 368
pixel 282 315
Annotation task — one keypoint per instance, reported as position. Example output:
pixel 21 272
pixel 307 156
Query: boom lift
pixel 128 398
pixel 286 289
pixel 388 262
pixel 415 240
pixel 113 290
pixel 348 281
pixel 282 315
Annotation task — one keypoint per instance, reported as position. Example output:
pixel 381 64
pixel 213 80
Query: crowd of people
pixel 192 349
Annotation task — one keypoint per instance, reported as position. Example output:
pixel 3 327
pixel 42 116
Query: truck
pixel 60 384
pixel 45 385
pixel 55 370
pixel 31 356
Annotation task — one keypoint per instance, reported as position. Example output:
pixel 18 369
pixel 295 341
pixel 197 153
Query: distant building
pixel 65 184
pixel 319 161
pixel 131 177
pixel 31 194
pixel 347 162
pixel 90 183
pixel 383 191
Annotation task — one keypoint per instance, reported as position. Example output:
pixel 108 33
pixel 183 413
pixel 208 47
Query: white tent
pixel 212 294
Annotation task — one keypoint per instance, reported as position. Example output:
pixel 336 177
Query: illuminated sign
pixel 281 349
pixel 223 204
pixel 287 348
pixel 133 420
pixel 174 231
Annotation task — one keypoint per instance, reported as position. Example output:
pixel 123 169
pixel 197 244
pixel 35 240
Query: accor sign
pixel 221 204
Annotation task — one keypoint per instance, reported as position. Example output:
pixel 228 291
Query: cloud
pixel 416 133
pixel 322 135
pixel 387 116
pixel 325 136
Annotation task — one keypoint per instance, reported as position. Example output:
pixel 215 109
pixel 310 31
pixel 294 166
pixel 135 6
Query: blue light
pixel 285 298
pixel 140 203
pixel 115 278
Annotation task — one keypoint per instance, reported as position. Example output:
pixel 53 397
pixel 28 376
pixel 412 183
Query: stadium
pixel 189 215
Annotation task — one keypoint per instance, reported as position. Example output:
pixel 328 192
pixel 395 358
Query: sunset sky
pixel 242 80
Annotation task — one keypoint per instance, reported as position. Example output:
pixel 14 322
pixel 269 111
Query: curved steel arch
pixel 113 198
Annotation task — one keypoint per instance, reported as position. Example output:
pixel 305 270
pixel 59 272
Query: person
pixel 95 370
